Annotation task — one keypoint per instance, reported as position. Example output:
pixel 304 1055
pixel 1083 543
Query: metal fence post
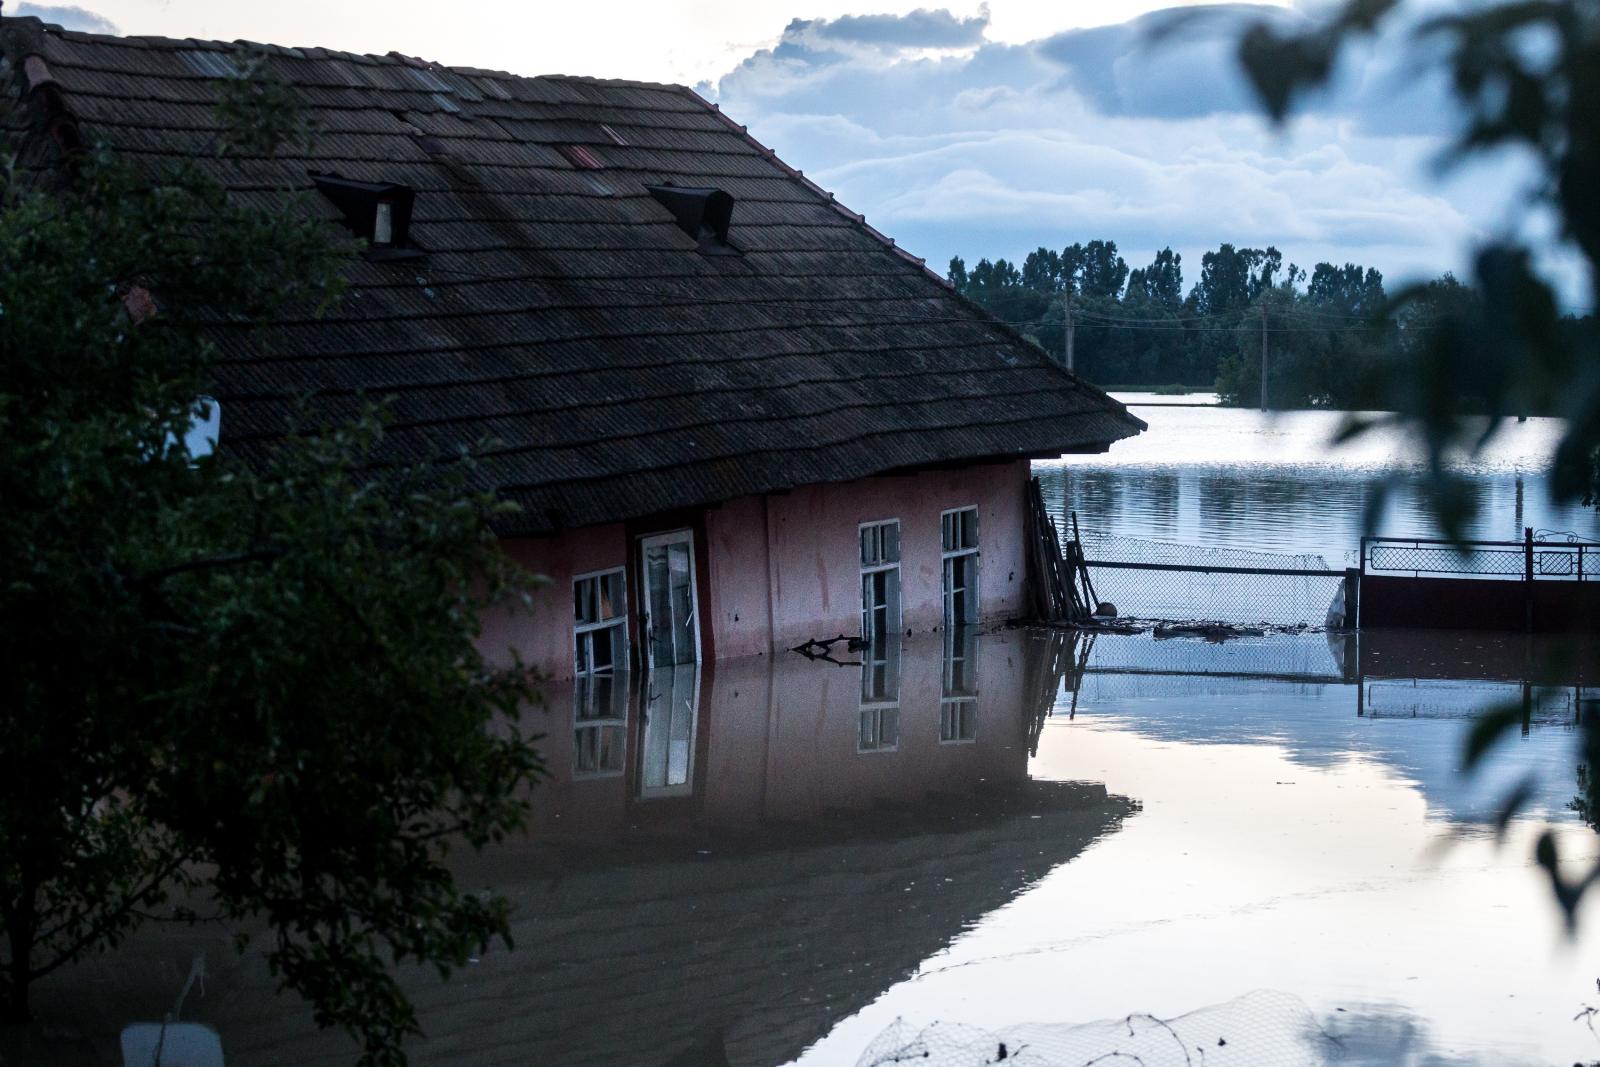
pixel 1352 598
pixel 1527 576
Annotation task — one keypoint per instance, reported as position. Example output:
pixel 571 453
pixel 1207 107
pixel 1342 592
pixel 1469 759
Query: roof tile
pixel 564 314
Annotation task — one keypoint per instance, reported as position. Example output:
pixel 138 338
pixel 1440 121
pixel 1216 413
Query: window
pixel 383 223
pixel 880 696
pixel 958 691
pixel 958 529
pixel 667 734
pixel 599 623
pixel 880 730
pixel 880 580
pixel 599 725
pixel 378 211
pixel 880 672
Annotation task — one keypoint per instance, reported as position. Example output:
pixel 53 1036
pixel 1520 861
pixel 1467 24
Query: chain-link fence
pixel 1176 582
pixel 1541 556
pixel 1441 698
pixel 1289 656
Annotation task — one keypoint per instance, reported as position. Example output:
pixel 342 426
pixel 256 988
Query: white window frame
pixel 947 571
pixel 879 706
pixel 647 542
pixel 618 621
pixel 655 711
pixel 958 704
pixel 953 714
pixel 607 719
pixel 892 616
pixel 878 715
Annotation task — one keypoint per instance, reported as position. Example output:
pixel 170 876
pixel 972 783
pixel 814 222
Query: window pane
pixel 867 557
pixel 969 528
pixel 891 542
pixel 582 600
pixel 947 536
pixel 603 650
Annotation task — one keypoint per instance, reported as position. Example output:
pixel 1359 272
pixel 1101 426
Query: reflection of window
pixel 958 721
pixel 880 729
pixel 958 537
pixel 599 725
pixel 880 672
pixel 599 623
pixel 958 689
pixel 880 697
pixel 880 579
pixel 667 736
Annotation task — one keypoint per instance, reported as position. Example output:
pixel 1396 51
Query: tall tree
pixel 258 686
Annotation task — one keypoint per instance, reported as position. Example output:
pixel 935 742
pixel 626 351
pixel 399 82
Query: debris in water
pixel 1215 632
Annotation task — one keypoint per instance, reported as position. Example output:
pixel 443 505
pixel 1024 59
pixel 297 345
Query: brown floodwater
pixel 779 860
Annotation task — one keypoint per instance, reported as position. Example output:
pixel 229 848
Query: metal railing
pixel 1541 555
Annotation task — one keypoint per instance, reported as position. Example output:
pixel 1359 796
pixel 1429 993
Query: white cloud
pixel 1118 132
pixel 68 16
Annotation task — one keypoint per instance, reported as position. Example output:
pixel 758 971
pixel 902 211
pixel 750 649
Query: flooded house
pixel 734 416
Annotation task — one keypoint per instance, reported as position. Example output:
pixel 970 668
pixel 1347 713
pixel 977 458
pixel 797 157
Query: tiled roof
pixel 561 311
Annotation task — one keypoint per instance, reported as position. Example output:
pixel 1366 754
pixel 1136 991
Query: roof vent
pixel 378 211
pixel 704 214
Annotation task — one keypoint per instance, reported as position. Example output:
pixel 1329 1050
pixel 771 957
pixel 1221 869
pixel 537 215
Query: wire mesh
pixel 1155 592
pixel 1442 559
pixel 1263 1027
pixel 1290 656
pixel 1434 698
pixel 1571 558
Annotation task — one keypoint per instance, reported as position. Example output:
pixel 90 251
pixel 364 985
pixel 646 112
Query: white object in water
pixel 171 1045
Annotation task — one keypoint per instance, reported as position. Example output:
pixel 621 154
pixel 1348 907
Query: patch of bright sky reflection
pixel 1250 869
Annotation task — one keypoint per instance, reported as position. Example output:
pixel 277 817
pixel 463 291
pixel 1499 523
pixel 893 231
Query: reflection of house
pixel 733 414
pixel 741 881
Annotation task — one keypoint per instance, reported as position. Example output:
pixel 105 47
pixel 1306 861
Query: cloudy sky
pixel 984 129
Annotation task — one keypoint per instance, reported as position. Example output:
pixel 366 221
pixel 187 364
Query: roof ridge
pixel 313 52
pixel 631 83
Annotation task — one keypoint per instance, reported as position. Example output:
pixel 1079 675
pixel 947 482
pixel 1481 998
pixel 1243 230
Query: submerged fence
pixel 1176 582
pixel 1545 582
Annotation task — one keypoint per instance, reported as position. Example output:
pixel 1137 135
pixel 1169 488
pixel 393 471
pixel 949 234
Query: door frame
pixel 668 537
pixel 688 786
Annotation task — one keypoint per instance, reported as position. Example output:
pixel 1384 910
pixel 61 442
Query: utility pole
pixel 1265 361
pixel 1066 323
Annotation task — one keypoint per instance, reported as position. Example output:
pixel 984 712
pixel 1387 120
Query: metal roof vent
pixel 378 211
pixel 704 214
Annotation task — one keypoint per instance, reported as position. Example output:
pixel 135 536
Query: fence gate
pixel 1183 583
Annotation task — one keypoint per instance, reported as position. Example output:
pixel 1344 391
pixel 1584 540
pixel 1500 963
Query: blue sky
pixel 987 130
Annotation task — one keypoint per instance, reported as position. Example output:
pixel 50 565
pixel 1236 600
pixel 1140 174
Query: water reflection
pixel 760 860
pixel 1290 840
pixel 726 861
pixel 1401 698
pixel 667 724
pixel 743 744
pixel 1234 478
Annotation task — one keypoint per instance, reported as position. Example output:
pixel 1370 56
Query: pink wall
pixel 777 738
pixel 785 568
pixel 543 638
pixel 816 555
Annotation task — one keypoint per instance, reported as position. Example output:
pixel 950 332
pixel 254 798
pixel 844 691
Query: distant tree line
pixel 1327 333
